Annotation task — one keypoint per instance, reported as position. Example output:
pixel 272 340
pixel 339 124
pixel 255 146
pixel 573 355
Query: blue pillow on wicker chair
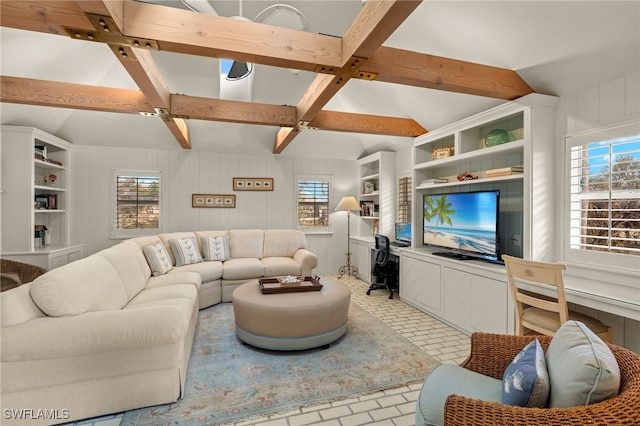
pixel 525 382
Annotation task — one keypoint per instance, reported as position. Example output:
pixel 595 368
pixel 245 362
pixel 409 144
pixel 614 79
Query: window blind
pixel 313 203
pixel 137 202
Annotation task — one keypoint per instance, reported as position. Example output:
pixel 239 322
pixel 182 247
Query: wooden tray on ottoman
pixel 274 285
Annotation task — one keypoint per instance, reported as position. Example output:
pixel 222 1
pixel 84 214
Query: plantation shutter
pixel 605 194
pixel 137 202
pixel 313 203
pixel 404 199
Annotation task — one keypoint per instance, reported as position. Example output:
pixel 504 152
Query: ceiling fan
pixel 281 15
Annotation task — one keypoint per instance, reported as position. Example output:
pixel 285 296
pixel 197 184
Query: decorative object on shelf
pixel 433 181
pixel 348 204
pixel 252 184
pixel 49 180
pixel 368 188
pixel 505 171
pixel 496 137
pixel 466 176
pixel 366 208
pixel 442 153
pixel 213 200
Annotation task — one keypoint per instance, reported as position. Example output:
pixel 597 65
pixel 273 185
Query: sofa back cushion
pixel 16 306
pixel 86 285
pixel 128 261
pixel 582 368
pixel 246 243
pixel 172 236
pixel 283 242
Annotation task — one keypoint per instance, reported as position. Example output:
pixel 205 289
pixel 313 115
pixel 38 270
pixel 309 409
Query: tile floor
pixel 394 407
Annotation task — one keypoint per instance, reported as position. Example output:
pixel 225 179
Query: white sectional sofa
pixel 104 335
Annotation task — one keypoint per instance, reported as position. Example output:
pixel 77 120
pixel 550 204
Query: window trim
pixel 315 229
pixel 131 233
pixel 595 259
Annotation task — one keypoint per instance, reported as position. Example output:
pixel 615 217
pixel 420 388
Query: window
pixel 404 199
pixel 604 193
pixel 313 203
pixel 136 204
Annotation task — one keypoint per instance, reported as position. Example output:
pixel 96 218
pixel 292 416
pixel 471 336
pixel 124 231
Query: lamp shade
pixel 348 204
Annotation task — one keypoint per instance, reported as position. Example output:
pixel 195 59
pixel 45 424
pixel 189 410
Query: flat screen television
pixel 403 233
pixel 463 224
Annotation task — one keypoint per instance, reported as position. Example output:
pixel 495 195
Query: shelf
pixel 370 177
pixel 518 176
pixel 473 155
pixel 48 188
pixel 372 194
pixel 369 217
pixel 45 165
pixel 48 211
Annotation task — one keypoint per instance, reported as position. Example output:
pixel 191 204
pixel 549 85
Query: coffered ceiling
pixel 375 75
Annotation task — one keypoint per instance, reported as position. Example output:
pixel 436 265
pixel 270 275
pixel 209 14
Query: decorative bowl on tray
pixel 289 280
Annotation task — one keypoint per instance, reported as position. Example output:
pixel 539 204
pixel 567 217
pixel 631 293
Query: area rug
pixel 228 381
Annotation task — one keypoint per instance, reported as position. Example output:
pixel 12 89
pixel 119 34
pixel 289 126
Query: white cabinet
pixel 361 257
pixel 470 295
pixel 526 134
pixel 377 194
pixel 36 194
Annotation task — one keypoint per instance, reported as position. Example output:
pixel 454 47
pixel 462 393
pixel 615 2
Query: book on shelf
pixel 505 171
pixel 433 181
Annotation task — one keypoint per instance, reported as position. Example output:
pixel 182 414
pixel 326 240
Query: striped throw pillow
pixel 157 258
pixel 185 250
pixel 216 248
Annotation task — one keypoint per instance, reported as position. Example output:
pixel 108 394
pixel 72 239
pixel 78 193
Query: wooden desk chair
pixel 538 313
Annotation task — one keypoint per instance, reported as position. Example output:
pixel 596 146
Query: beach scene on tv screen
pixel 465 221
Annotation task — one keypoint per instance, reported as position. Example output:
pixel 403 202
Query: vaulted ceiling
pixel 374 75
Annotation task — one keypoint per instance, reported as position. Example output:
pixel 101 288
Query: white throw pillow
pixel 185 251
pixel 582 368
pixel 216 248
pixel 157 258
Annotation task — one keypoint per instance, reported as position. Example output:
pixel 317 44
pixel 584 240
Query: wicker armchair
pixel 492 353
pixel 13 274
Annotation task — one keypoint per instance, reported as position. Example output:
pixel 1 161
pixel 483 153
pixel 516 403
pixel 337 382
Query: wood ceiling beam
pixel 140 65
pixel 435 72
pixel 375 22
pixel 27 91
pixel 367 124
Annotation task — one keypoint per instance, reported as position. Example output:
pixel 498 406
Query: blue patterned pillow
pixel 525 382
pixel 185 250
pixel 216 248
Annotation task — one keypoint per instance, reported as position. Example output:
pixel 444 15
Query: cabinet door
pixel 474 302
pixel 420 283
pixel 361 259
pixel 489 307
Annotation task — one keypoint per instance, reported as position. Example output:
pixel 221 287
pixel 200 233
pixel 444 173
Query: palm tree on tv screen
pixel 440 208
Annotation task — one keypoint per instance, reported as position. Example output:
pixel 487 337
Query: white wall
pixel 609 102
pixel 186 172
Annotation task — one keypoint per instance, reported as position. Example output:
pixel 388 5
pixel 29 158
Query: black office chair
pixel 384 270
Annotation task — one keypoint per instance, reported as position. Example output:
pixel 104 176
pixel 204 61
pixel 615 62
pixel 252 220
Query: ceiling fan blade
pixel 202 6
pixel 239 70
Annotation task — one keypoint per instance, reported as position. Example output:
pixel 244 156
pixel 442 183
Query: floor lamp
pixel 348 204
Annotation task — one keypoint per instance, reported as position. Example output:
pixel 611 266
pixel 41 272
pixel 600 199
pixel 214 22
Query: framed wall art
pixel 213 200
pixel 252 184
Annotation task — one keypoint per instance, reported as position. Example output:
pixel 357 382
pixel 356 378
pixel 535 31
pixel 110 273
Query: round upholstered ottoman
pixel 291 321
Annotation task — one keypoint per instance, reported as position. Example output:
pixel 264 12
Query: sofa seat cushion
pixel 86 285
pixel 209 270
pixel 164 295
pixel 243 268
pixel 274 266
pixel 451 379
